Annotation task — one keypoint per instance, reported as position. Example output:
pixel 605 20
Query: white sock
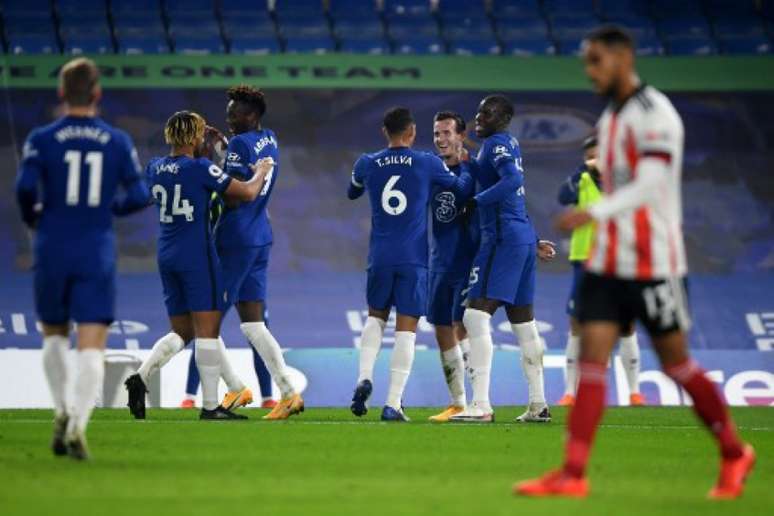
pixel 453 370
pixel 370 343
pixel 163 350
pixel 400 366
pixel 571 352
pixel 531 359
pixel 269 350
pixel 233 381
pixel 55 350
pixel 208 363
pixel 480 358
pixel 88 384
pixel 630 357
pixel 465 348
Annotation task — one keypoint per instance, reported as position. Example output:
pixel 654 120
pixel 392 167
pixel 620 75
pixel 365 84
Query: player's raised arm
pixel 136 194
pixel 247 191
pixel 27 182
pixel 508 168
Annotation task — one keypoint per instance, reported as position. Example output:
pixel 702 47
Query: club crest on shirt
pixel 446 209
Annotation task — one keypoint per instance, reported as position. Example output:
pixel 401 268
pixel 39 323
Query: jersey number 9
pixel 179 206
pixel 388 194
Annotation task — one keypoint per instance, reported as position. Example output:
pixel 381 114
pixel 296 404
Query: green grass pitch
pixel 647 461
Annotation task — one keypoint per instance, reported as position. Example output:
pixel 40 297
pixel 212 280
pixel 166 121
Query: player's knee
pixel 520 314
pixel 476 322
pixel 374 323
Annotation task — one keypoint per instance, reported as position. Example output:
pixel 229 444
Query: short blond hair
pixel 77 80
pixel 184 128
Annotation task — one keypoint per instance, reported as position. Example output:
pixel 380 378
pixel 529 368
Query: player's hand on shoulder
pixel 213 147
pixel 546 250
pixel 262 166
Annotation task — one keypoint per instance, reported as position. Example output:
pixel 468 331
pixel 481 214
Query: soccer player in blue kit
pixel 194 290
pixel 243 239
pixel 399 183
pixel 80 161
pixel 453 245
pixel 503 271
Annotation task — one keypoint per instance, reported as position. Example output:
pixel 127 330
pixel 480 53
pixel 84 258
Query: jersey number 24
pixel 179 206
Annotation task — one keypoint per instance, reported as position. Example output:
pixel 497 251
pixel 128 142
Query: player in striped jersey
pixel 637 268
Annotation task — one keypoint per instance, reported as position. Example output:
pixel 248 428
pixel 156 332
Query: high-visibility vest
pixel 583 237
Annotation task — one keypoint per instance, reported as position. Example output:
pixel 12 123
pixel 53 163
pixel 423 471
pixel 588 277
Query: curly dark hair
pixel 249 95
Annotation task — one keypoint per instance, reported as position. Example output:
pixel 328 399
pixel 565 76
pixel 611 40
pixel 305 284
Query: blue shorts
pixel 445 298
pixel 572 301
pixel 244 272
pixel 504 272
pixel 193 291
pixel 402 286
pixel 80 292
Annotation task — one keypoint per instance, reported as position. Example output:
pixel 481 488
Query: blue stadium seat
pixel 632 22
pixel 738 27
pixel 254 45
pixel 33 43
pixel 142 43
pixel 648 44
pixel 470 47
pixel 29 27
pixel 515 9
pixel 682 26
pixel 87 43
pixel 691 46
pixel 407 9
pixel 662 9
pixel 449 10
pixel 364 46
pixel 569 29
pixel 198 43
pixel 528 27
pixel 529 47
pixel 353 10
pixel 609 9
pixel 248 24
pixel 566 7
pixel 301 12
pixel 422 45
pixel 468 27
pixel 746 45
pixel 406 28
pixel 570 46
pixel 310 45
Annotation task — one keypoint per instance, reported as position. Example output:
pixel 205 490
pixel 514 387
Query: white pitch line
pixel 382 423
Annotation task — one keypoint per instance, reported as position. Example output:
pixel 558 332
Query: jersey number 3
pixel 179 207
pixel 388 194
pixel 74 160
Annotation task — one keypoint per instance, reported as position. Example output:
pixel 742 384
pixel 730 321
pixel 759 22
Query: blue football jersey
pixel 80 163
pixel 182 187
pixel 248 225
pixel 501 202
pixel 453 242
pixel 399 182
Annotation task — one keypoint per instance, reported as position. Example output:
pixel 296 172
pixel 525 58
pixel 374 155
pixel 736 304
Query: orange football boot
pixel 235 399
pixel 568 400
pixel 286 407
pixel 637 400
pixel 188 403
pixel 553 483
pixel 270 403
pixel 733 473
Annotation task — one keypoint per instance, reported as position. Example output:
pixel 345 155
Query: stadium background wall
pixel 327 110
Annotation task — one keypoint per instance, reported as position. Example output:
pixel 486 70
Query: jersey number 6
pixel 388 194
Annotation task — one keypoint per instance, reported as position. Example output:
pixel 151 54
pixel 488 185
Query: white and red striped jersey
pixel 639 221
